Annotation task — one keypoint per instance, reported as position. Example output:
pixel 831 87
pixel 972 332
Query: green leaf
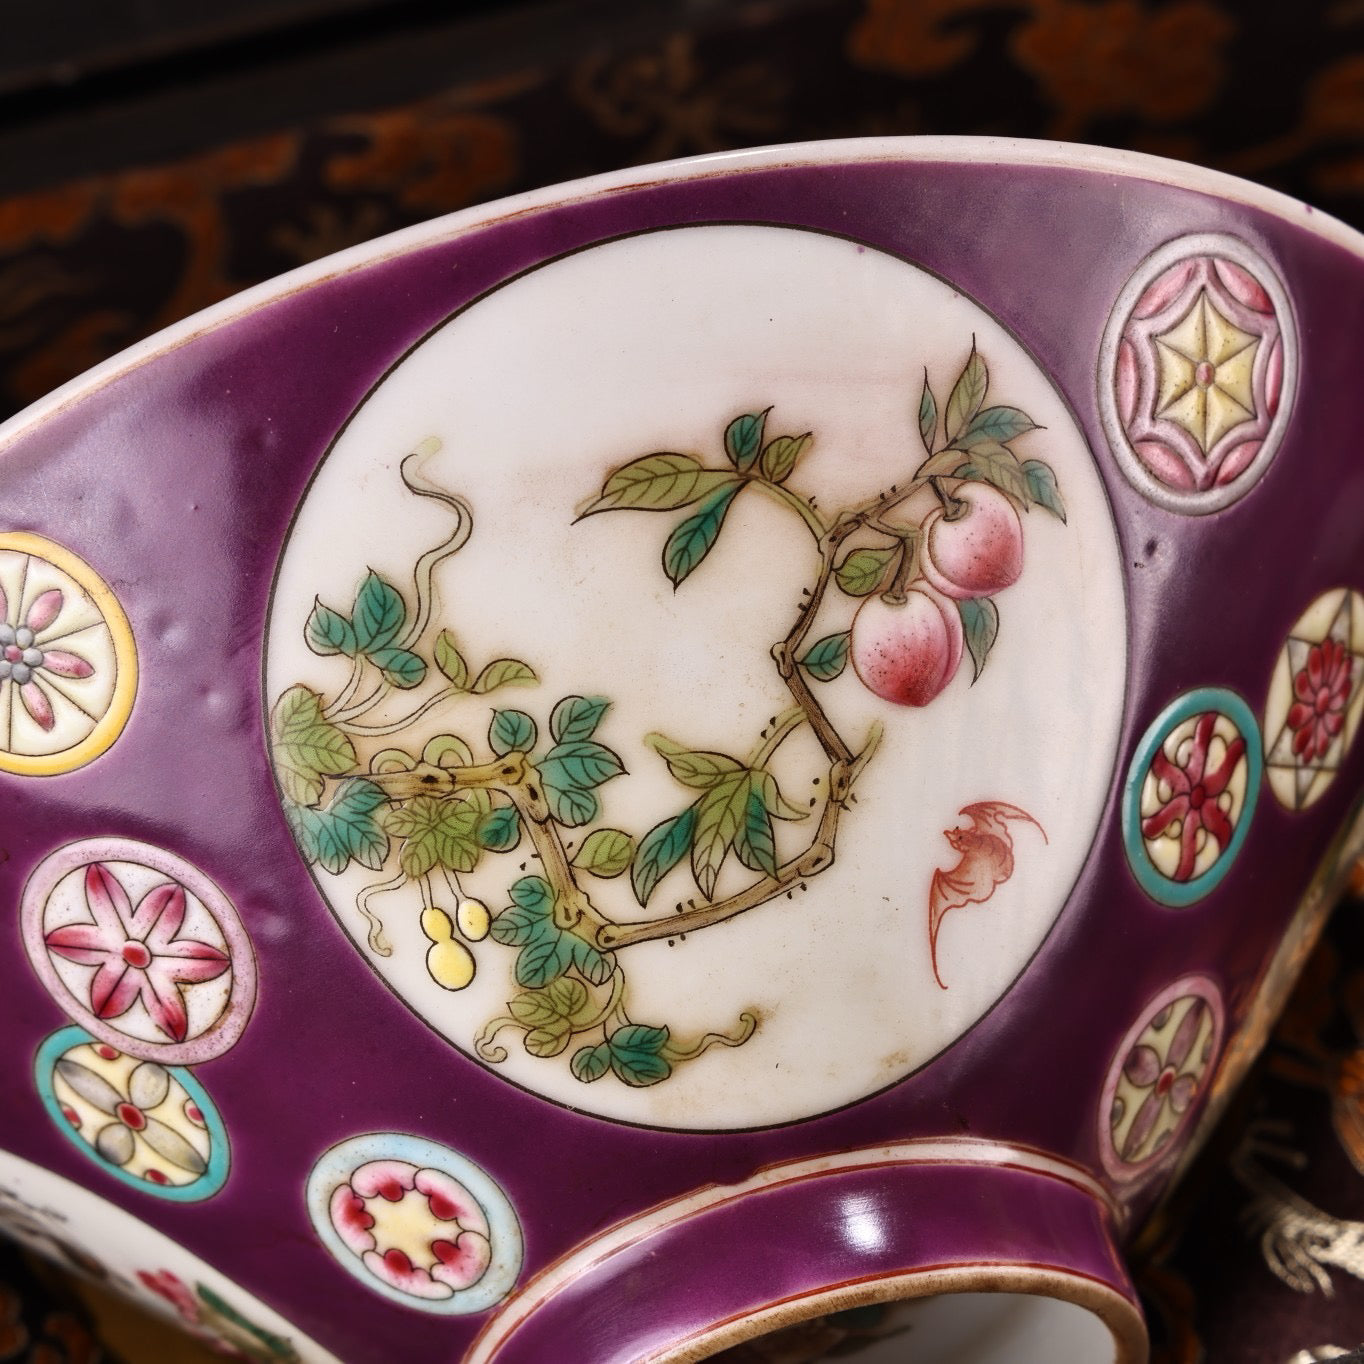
pixel 1042 487
pixel 661 482
pixel 500 830
pixel 928 416
pixel 605 852
pixel 584 764
pixel 533 893
pixel 378 615
pixel 572 806
pixel 400 667
pixel 980 623
pixel 968 393
pixel 591 1063
pixel 695 537
pixel 517 925
pixel 636 1054
pixel 772 798
pixel 700 769
pixel 307 746
pixel 993 463
pixel 435 832
pixel 577 717
pixel 753 843
pixel 447 750
pixel 744 438
pixel 826 658
pixel 545 958
pixel 450 661
pixel 718 816
pixel 534 1009
pixel 511 731
pixel 549 1041
pixel 504 672
pixel 945 464
pixel 1001 424
pixel 569 997
pixel 863 570
pixel 659 851
pixel 780 456
pixel 329 632
pixel 597 967
pixel 303 826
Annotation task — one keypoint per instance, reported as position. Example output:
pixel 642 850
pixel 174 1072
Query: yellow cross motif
pixel 1206 366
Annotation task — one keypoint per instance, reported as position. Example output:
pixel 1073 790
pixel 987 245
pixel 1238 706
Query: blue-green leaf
pixel 378 615
pixel 753 842
pixel 591 1063
pixel 516 926
pixel 928 416
pixel 1001 424
pixel 636 1054
pixel 744 439
pixel 572 806
pixel 577 717
pixel 596 967
pixel 826 658
pixel 980 623
pixel 695 537
pixel 1041 480
pixel 329 632
pixel 533 893
pixel 347 828
pixel 511 731
pixel 660 850
pixel 500 829
pixel 400 667
pixel 583 763
pixel 543 959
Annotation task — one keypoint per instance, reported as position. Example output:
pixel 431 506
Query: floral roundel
pixel 1197 373
pixel 1159 1075
pixel 1316 698
pixel 1190 795
pixel 141 948
pixel 68 665
pixel 150 1126
pixel 416 1222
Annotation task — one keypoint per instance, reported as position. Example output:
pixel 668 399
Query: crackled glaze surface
pixel 618 768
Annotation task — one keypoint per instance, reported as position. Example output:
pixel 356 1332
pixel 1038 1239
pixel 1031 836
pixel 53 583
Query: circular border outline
pixel 220 1037
pixel 1207 989
pixel 219 1158
pixel 1180 894
pixel 1227 247
pixel 335 1166
pixel 111 724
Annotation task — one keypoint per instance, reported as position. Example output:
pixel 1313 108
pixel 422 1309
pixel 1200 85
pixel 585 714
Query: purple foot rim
pixel 916 1221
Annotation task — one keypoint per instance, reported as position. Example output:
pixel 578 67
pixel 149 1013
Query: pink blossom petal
pixel 38 706
pixel 159 914
pixel 114 988
pixel 1142 1125
pixel 164 1002
pixel 1181 1044
pixel 190 962
pixel 1235 462
pixel 44 610
pixel 352 1222
pixel 66 665
pixel 1165 289
pixel 394 1268
pixel 1182 1092
pixel 1126 381
pixel 450 1201
pixel 108 901
pixel 1164 462
pixel 1274 378
pixel 1243 286
pixel 86 944
pixel 389 1179
pixel 1142 1066
pixel 464 1262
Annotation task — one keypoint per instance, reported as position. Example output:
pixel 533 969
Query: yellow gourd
pixel 450 963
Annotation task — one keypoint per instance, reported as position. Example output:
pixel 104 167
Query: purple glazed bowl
pixel 637 767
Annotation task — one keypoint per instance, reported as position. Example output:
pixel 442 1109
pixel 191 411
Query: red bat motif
pixel 987 861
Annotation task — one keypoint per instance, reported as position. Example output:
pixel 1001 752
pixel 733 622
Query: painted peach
pixel 980 552
pixel 907 652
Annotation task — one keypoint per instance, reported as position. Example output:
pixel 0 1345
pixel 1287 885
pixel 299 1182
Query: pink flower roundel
pixel 141 949
pixel 416 1222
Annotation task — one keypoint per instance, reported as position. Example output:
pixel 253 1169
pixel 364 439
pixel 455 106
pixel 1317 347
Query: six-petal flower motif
pixel 138 951
pixel 1321 690
pixel 24 658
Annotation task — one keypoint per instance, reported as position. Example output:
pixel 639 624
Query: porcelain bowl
pixel 746 747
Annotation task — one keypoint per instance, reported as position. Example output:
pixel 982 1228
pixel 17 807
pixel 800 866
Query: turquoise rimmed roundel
pixel 1190 795
pixel 150 1126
